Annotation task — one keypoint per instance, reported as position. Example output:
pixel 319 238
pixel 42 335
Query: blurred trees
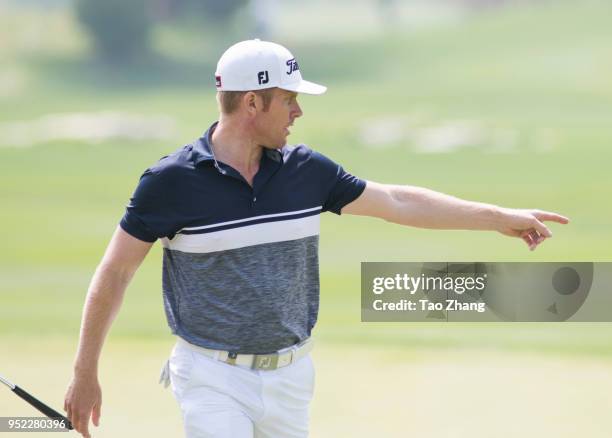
pixel 209 10
pixel 121 29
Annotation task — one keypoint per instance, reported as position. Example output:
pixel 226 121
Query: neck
pixel 233 144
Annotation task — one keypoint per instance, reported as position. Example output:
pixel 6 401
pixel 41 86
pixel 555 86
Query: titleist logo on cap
pixel 293 66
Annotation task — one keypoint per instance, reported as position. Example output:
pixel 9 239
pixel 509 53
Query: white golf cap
pixel 257 65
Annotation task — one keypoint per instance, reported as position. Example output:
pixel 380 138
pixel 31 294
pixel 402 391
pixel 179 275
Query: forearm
pixel 102 304
pixel 424 208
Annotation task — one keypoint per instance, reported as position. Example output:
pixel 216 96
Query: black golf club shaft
pixel 40 406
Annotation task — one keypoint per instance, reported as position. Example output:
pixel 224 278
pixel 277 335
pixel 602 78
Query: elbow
pixel 401 210
pixel 413 207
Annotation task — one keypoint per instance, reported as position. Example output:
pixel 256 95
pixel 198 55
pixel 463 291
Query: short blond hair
pixel 229 100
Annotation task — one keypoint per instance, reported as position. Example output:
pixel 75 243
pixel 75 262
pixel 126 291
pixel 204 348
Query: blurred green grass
pixel 544 67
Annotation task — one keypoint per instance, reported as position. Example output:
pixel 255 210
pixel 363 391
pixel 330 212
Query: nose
pixel 297 111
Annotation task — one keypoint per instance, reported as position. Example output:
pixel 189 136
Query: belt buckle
pixel 265 361
pixel 231 358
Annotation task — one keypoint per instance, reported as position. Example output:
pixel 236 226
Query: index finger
pixel 550 216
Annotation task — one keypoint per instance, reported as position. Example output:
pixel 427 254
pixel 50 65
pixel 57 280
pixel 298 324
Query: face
pixel 273 126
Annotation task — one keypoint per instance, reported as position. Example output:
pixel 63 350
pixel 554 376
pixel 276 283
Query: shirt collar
pixel 274 154
pixel 203 152
pixel 201 148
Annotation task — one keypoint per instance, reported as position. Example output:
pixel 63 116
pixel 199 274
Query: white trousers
pixel 219 400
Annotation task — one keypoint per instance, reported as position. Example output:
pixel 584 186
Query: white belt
pixel 270 361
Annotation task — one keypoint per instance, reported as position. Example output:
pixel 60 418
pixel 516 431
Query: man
pixel 237 212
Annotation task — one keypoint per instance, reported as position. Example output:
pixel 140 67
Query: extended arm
pixel 121 260
pixel 424 208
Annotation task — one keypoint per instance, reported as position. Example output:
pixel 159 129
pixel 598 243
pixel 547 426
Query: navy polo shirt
pixel 240 264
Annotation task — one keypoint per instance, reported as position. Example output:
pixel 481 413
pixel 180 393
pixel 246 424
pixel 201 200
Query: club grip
pixel 40 406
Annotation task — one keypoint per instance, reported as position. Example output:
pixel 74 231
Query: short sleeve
pixel 341 188
pixel 147 216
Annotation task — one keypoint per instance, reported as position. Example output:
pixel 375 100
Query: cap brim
pixel 305 87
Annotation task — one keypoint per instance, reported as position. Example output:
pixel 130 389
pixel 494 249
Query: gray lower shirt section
pixel 257 299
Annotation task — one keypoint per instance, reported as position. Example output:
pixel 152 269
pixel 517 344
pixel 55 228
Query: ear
pixel 251 102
